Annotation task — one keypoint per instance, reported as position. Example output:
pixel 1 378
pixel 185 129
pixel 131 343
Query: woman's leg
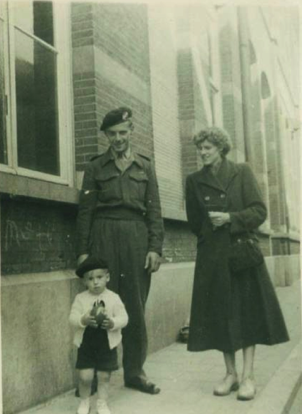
pixel 247 389
pixel 248 362
pixel 230 381
pixel 230 363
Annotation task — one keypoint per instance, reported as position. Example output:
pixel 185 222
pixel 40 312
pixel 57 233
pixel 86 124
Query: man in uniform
pixel 120 218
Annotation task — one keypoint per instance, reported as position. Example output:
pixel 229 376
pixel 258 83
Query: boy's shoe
pixel 102 407
pixel 84 406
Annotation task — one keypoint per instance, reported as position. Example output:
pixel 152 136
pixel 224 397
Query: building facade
pixel 181 68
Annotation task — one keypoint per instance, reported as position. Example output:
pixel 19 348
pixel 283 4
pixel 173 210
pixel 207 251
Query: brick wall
pixel 111 68
pixel 84 86
pixel 123 69
pixel 39 237
pixel 36 237
pixel 179 243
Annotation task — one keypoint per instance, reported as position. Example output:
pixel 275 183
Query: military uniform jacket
pixel 105 188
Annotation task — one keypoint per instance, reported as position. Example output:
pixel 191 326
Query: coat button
pixel 222 195
pixel 207 198
pixel 122 275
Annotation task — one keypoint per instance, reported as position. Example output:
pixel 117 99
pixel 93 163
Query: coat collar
pixel 227 171
pixel 108 156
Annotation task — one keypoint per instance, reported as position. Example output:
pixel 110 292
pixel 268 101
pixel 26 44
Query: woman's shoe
pixel 84 406
pixel 226 386
pixel 247 390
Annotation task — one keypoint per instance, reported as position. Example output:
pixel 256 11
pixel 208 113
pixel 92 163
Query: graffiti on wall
pixel 15 235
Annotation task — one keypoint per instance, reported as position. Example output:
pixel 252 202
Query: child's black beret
pixel 91 263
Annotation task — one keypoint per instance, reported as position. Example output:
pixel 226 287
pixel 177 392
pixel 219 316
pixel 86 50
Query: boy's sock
pixel 84 406
pixel 102 407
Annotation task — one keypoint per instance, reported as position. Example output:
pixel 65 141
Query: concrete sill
pixel 18 186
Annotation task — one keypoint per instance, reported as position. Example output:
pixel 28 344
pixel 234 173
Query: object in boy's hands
pixel 98 311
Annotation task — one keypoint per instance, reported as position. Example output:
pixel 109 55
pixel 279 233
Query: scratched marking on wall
pixel 16 235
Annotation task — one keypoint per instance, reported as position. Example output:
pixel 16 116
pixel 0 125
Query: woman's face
pixel 209 153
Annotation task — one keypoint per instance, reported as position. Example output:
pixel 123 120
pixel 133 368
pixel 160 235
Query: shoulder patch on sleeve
pixel 96 156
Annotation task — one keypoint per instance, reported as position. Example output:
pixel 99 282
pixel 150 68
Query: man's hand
pixel 88 320
pixel 218 218
pixel 81 258
pixel 152 262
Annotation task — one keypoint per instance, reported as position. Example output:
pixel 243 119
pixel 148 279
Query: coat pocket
pixel 138 184
pixel 108 183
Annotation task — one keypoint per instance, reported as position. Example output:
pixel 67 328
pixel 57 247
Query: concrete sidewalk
pixel 187 379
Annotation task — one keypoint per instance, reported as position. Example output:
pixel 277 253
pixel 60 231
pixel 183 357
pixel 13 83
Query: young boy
pixel 97 315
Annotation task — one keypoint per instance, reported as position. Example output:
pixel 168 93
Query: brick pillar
pixel 231 81
pixel 194 89
pixel 84 84
pixel 111 68
pixel 272 164
pixel 186 111
pixel 258 136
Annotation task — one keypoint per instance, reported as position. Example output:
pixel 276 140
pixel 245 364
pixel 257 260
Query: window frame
pixel 63 50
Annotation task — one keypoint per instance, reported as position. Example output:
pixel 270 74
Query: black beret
pixel 115 117
pixel 91 263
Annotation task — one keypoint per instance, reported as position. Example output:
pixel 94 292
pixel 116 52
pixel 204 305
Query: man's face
pixel 119 137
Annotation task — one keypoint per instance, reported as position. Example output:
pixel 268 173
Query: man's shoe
pixel 247 390
pixel 84 406
pixel 226 386
pixel 143 385
pixel 102 407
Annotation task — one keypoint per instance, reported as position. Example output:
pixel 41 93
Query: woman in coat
pixel 230 310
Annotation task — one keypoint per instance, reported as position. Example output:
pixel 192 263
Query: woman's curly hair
pixel 216 136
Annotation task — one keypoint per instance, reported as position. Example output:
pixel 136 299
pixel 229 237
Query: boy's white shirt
pixel 115 310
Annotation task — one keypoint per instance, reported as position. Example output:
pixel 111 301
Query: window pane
pixel 36 18
pixel 36 92
pixel 3 137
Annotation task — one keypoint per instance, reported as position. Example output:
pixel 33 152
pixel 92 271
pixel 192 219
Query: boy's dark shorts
pixel 95 353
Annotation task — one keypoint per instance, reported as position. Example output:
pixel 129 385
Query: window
pixel 35 90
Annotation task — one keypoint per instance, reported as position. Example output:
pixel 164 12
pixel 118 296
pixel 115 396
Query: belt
pixel 120 213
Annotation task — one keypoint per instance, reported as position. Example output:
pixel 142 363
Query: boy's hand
pixel 89 320
pixel 107 323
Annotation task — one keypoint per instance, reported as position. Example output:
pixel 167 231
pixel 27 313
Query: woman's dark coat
pixel 229 311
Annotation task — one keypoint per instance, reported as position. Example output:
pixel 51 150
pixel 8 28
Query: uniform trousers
pixel 124 244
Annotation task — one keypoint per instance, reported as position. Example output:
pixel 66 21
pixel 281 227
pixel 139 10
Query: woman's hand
pixel 218 218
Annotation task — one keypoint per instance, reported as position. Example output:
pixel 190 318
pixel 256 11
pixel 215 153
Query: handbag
pixel 244 254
